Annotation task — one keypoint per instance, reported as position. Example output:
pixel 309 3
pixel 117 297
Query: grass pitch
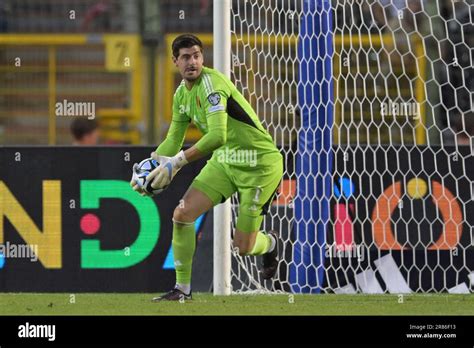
pixel 207 304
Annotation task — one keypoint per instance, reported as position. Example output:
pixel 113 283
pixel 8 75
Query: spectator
pixel 4 13
pixel 85 131
pixel 374 17
pixel 464 128
pixel 97 16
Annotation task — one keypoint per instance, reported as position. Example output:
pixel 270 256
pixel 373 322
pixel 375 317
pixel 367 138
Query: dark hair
pixel 185 41
pixel 82 126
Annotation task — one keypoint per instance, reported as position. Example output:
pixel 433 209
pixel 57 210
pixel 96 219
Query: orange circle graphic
pixel 447 204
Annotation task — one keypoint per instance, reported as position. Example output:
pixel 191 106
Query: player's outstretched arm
pixel 174 139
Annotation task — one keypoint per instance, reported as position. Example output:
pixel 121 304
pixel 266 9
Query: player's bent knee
pixel 183 215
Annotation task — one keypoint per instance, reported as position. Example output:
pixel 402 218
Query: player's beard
pixel 193 78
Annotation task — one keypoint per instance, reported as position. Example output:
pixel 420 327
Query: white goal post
pixel 222 212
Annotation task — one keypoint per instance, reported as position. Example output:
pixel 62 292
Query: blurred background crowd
pixel 76 51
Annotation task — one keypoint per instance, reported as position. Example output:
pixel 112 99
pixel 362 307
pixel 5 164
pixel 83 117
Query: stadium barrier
pixel 90 232
pixel 88 229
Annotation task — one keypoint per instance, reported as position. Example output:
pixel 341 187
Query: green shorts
pixel 256 188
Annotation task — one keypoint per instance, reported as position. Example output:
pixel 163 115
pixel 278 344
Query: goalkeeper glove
pixel 161 176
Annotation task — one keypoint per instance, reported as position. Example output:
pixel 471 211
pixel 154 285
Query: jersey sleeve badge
pixel 214 98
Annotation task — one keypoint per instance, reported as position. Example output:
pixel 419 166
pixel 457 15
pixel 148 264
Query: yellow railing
pixel 340 42
pixel 122 55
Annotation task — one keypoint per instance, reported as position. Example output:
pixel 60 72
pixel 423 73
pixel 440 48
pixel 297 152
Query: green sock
pixel 262 244
pixel 184 244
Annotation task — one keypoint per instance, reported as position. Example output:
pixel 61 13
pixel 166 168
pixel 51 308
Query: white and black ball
pixel 140 173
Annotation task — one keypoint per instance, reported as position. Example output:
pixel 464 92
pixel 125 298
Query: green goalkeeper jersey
pixel 230 127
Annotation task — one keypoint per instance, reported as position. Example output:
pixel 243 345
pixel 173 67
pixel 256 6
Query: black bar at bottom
pixel 135 330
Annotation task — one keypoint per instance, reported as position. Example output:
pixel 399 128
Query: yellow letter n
pixel 47 243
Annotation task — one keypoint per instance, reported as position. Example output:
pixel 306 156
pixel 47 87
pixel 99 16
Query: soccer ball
pixel 140 173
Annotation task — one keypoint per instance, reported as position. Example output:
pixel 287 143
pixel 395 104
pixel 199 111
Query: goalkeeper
pixel 244 160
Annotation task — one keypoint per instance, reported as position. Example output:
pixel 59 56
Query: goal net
pixel 371 103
